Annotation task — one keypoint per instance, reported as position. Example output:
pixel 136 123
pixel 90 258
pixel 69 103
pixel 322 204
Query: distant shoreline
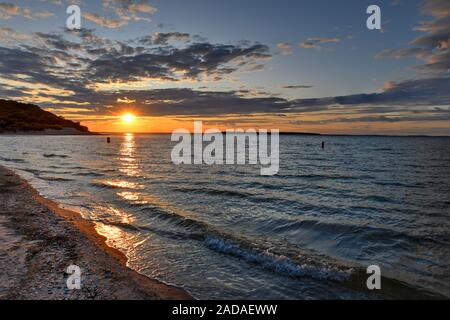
pixel 50 132
pixel 39 240
pixel 68 132
pixel 292 133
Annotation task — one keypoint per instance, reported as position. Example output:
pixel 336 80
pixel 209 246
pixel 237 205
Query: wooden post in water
pixel 323 144
pixel 108 140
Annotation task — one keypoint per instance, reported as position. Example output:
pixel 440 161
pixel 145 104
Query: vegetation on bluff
pixel 16 116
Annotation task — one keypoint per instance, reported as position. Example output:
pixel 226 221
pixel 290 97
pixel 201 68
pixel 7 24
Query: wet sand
pixel 39 240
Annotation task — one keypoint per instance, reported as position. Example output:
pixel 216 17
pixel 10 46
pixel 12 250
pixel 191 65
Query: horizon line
pixel 296 133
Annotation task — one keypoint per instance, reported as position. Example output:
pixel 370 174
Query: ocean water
pixel 308 232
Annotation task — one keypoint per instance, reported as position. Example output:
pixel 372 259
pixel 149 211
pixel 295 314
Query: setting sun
pixel 128 118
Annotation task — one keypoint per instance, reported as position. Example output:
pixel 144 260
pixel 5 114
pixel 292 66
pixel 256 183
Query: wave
pixel 37 172
pixel 377 198
pixel 298 263
pixel 115 184
pixel 280 264
pixel 56 179
pixel 89 173
pixel 364 233
pixel 315 177
pixel 383 149
pixel 71 167
pixel 210 191
pixel 12 160
pixel 251 251
pixel 396 184
pixel 52 155
pixel 285 197
pixel 109 170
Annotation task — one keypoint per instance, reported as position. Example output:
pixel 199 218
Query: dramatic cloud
pixel 192 62
pixel 406 96
pixel 67 68
pixel 83 57
pixel 80 68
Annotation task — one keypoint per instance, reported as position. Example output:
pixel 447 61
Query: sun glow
pixel 128 118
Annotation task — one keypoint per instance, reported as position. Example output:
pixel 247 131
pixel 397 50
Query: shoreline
pixel 39 240
pixel 50 132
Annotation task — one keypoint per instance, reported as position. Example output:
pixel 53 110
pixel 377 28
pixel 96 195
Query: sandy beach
pixel 39 240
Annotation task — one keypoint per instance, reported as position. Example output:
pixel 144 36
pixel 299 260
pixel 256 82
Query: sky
pixel 299 66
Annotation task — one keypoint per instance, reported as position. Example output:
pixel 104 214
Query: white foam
pixel 279 264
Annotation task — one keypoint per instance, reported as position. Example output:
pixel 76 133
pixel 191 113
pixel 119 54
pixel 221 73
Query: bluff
pixel 23 117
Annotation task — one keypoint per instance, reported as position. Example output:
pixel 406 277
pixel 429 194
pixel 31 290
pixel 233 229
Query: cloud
pixel 434 45
pixel 314 43
pixel 57 41
pixel 81 56
pixel 48 67
pixel 416 92
pixel 8 10
pixel 297 86
pixel 285 48
pixel 133 7
pixel 195 61
pixel 420 53
pixel 401 97
pixel 75 64
pixel 432 116
pixel 124 11
pixel 104 22
pixel 125 100
pixel 163 38
pixel 43 14
pixel 9 36
pixel 130 6
pixel 437 8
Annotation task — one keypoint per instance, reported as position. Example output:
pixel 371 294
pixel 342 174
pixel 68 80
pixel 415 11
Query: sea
pixel 226 232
